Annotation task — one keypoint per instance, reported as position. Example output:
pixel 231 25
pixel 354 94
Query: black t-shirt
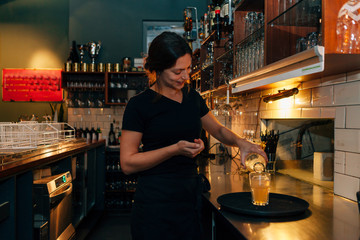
pixel 164 122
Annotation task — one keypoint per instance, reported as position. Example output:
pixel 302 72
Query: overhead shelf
pixel 301 64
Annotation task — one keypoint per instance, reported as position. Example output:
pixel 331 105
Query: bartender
pixel 167 119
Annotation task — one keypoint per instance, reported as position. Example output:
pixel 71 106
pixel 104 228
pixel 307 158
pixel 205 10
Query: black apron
pixel 167 207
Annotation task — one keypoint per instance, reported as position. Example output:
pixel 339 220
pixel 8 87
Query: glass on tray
pixel 260 185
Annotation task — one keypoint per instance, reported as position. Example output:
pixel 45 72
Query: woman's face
pixel 176 76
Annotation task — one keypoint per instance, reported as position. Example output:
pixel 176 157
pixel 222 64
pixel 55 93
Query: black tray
pixel 279 205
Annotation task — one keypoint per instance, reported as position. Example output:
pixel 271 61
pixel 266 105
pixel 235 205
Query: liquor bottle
pixel 73 55
pixel 217 23
pixel 112 138
pixel 98 133
pixel 211 16
pixel 88 135
pixel 83 134
pixel 93 134
pixel 206 25
pixel 76 130
pixel 201 34
pixel 188 24
pixel 79 132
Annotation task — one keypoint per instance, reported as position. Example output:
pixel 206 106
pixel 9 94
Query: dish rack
pixel 31 134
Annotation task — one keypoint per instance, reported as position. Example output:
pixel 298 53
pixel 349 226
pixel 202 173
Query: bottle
pixel 211 18
pixel 93 134
pixel 206 25
pixel 98 133
pixel 188 24
pixel 79 132
pixel 217 24
pixel 73 55
pixel 201 34
pixel 112 138
pixel 83 135
pixel 88 135
pixel 254 162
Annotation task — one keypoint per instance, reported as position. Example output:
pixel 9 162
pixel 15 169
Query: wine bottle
pixel 93 134
pixel 98 133
pixel 88 135
pixel 73 55
pixel 112 138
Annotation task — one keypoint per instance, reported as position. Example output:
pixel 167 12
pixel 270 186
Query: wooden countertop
pixel 329 216
pixel 21 162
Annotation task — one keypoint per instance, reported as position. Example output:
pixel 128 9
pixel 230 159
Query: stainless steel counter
pixel 328 217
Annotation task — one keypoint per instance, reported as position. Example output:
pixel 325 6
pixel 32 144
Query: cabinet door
pixel 7 201
pixel 293 28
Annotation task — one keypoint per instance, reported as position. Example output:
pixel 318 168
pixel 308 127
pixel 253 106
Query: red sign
pixel 32 85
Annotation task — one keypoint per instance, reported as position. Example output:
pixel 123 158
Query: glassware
pixel 347 28
pixel 301 44
pixel 260 187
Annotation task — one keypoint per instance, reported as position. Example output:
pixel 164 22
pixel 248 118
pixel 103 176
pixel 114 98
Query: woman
pixel 167 119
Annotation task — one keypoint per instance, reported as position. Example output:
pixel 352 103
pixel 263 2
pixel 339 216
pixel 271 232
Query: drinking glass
pixel 260 188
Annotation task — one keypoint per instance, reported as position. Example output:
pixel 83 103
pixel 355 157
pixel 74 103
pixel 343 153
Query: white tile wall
pixel 312 84
pixel 339 161
pixel 329 112
pixel 303 99
pixel 340 117
pixel 97 117
pixel 353 76
pixel 331 80
pixel 311 113
pixel 322 96
pixel 336 97
pixel 353 117
pixel 347 94
pixel 352 166
pixel 346 186
pixel 347 140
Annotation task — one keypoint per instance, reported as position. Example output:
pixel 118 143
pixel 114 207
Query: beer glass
pixel 260 187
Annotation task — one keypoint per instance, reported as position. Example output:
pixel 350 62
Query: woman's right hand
pixel 190 149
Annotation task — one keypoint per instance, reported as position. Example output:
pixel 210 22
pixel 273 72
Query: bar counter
pixel 18 168
pixel 328 217
pixel 13 163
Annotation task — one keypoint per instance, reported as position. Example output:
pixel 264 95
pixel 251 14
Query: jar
pixel 126 64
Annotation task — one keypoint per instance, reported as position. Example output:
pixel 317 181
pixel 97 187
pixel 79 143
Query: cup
pixel 260 188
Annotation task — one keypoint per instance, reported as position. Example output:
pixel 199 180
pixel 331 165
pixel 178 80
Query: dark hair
pixel 164 50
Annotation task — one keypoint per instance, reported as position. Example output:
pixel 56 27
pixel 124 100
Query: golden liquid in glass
pixel 260 192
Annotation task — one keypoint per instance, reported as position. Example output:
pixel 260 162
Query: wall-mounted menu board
pixel 32 85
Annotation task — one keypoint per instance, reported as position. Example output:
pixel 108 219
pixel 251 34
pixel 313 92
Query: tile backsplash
pixel 335 97
pixel 96 117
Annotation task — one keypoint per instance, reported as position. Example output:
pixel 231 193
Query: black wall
pixel 38 34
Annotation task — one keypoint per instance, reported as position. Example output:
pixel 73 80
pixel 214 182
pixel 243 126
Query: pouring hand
pixel 248 147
